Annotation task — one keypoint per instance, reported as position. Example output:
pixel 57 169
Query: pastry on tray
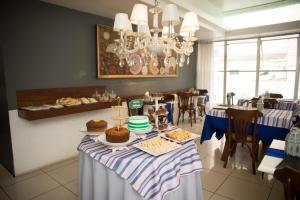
pixel 162 126
pixel 179 135
pixel 68 101
pixel 117 134
pixel 157 145
pixel 84 100
pixel 161 111
pixel 96 125
pixel 92 100
pixel 150 111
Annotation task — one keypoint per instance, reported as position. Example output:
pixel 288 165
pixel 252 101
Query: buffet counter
pixel 43 137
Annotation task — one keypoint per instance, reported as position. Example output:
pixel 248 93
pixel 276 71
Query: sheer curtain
pixel 205 70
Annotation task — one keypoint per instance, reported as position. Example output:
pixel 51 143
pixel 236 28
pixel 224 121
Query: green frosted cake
pixel 137 123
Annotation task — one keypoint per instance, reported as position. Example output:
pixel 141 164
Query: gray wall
pixel 49 46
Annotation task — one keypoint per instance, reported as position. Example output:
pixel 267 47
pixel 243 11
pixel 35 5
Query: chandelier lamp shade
pixel 139 14
pixel 161 39
pixel 170 15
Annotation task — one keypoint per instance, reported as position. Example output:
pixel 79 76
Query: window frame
pixel 259 41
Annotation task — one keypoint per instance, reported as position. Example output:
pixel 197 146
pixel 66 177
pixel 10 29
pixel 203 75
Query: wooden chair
pixel 229 98
pixel 276 95
pixel 245 102
pixel 268 103
pixel 201 102
pixel 290 178
pixel 239 122
pixel 186 104
pixel 170 98
pixel 202 91
pixel 135 111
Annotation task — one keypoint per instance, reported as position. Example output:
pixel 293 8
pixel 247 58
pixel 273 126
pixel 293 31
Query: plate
pixel 172 62
pixel 70 105
pixel 136 64
pixel 193 136
pixel 102 139
pixel 37 108
pixel 142 131
pixel 154 153
pixel 144 70
pixel 56 106
pixel 154 70
pixel 162 70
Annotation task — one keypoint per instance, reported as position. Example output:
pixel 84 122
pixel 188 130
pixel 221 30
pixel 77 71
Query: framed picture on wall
pixel 144 63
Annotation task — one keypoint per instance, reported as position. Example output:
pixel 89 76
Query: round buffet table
pixel 133 174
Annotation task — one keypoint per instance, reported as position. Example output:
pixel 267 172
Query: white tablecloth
pixel 97 182
pixel 271 117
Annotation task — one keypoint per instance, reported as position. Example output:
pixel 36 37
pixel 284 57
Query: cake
pixel 96 125
pixel 138 123
pixel 117 135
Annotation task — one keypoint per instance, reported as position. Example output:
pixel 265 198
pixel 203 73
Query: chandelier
pixel 155 40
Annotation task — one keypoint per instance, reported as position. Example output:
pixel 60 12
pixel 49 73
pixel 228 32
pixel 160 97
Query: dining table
pixel 131 174
pixel 282 104
pixel 274 124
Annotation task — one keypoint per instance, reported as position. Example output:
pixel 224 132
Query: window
pixel 278 66
pixel 275 72
pixel 241 68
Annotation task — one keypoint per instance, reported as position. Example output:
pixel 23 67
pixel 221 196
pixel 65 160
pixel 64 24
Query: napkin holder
pixel 292 142
pixel 260 105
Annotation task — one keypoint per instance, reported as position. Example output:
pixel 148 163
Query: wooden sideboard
pixel 37 97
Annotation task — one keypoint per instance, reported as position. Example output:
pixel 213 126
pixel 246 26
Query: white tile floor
pixel 59 181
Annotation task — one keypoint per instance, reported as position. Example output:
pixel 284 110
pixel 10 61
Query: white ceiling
pixel 231 5
pixel 210 12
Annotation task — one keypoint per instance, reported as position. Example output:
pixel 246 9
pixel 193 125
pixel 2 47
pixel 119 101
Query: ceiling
pixel 233 5
pixel 211 13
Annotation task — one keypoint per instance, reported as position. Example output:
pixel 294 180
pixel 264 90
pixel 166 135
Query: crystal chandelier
pixel 155 40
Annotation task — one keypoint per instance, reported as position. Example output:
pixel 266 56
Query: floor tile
pixel 6 179
pixel 206 194
pixel 65 174
pixel 212 180
pixel 278 185
pixel 76 158
pixel 2 168
pixel 215 164
pixel 218 197
pixel 31 187
pixel 58 165
pixel 238 189
pixel 3 196
pixel 276 195
pixel 245 173
pixel 73 186
pixel 57 194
